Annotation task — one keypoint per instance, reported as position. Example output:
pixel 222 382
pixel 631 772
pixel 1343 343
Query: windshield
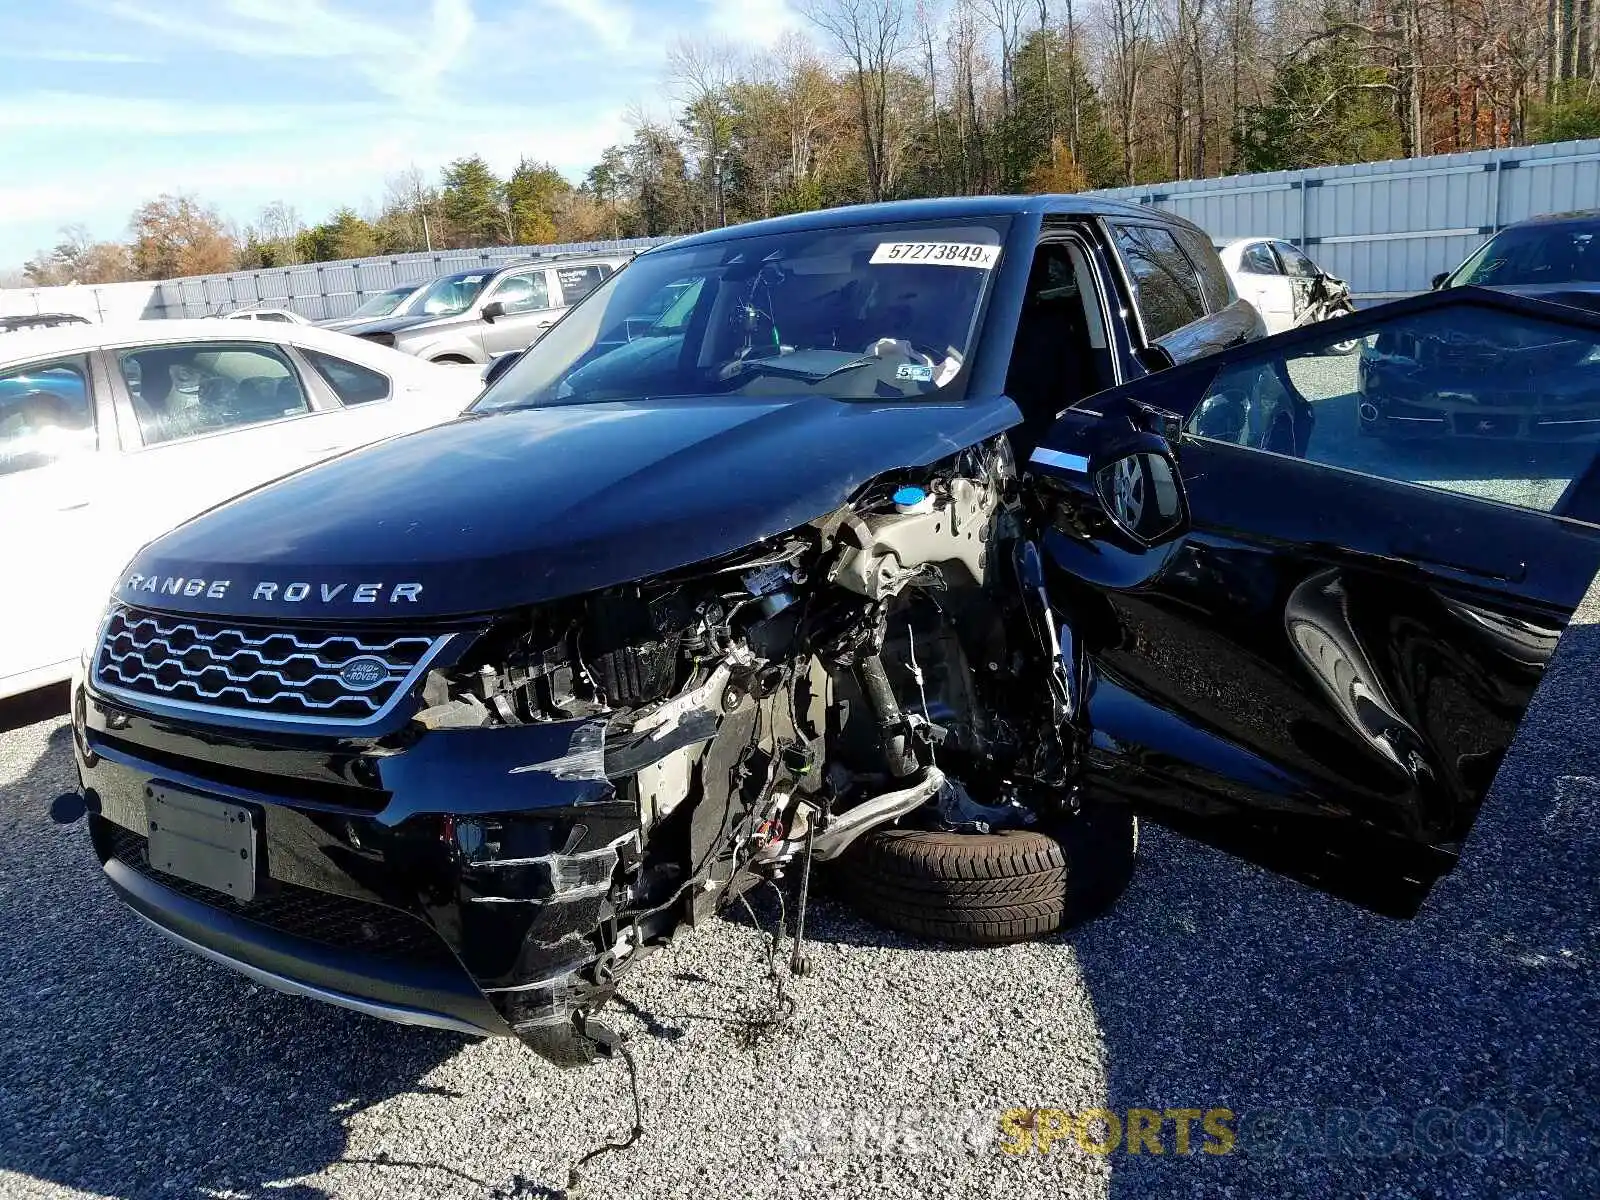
pixel 1533 254
pixel 452 294
pixel 877 312
pixel 384 303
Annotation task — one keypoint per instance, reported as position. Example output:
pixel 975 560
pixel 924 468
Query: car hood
pixel 1575 293
pixel 502 509
pixel 395 324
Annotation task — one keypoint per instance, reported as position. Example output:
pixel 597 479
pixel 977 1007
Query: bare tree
pixel 1005 18
pixel 699 75
pixel 1128 25
pixel 872 36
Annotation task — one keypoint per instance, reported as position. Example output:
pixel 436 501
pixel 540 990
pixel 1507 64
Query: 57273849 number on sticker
pixel 938 254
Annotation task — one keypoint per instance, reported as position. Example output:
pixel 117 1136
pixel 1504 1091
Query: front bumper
pixel 454 878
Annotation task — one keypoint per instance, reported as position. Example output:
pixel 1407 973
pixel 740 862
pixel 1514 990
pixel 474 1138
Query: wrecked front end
pixel 484 825
pixel 432 877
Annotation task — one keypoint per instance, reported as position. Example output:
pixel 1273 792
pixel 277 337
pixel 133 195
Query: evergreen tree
pixel 472 201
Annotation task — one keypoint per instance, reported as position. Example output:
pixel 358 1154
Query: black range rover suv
pixel 804 541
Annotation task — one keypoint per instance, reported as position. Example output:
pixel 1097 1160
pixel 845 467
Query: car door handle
pixel 74 506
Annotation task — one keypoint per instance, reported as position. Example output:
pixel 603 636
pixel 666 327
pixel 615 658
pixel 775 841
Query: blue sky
pixel 107 103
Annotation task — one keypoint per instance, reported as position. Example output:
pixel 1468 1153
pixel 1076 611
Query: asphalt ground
pixel 1330 1052
pixel 1453 1055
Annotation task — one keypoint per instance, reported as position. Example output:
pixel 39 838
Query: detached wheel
pixel 989 889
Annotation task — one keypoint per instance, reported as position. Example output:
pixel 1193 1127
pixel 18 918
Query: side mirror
pixel 1438 280
pixel 1155 358
pixel 500 364
pixel 494 309
pixel 1143 496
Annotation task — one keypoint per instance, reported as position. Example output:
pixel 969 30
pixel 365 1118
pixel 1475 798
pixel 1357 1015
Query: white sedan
pixel 1286 287
pixel 283 316
pixel 111 435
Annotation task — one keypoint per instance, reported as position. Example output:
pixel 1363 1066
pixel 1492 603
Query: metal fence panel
pixel 1389 227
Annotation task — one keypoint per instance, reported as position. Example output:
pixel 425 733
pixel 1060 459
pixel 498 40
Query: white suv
pixel 110 436
pixel 472 316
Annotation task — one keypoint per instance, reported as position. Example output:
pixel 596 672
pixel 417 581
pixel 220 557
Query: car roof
pixel 577 257
pixel 946 208
pixel 1586 217
pixel 78 339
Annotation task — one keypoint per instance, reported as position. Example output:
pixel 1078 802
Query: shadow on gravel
pixel 129 1068
pixel 1452 1055
pixel 32 707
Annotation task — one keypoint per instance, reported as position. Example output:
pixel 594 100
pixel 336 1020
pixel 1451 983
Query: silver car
pixel 471 316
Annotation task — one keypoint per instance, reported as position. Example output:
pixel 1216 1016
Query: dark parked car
pixel 804 565
pixel 20 321
pixel 1542 387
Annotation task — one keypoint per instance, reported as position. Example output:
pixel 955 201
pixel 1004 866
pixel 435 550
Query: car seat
pixel 1052 364
pixel 152 401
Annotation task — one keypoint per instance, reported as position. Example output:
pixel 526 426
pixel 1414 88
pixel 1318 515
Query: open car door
pixel 1306 596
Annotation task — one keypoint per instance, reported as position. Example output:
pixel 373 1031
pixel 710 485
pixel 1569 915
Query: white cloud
pixel 88 113
pixel 612 22
pixel 314 164
pixel 402 83
pixel 754 22
pixel 404 59
pixel 64 55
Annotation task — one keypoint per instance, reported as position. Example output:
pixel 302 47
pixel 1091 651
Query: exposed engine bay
pixel 893 661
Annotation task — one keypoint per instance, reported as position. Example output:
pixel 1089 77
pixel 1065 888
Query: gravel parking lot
pixel 1451 1056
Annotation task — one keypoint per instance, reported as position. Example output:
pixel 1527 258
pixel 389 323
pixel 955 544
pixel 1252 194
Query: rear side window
pixel 351 382
pixel 184 391
pixel 1165 284
pixel 1259 260
pixel 578 282
pixel 1214 282
pixel 46 414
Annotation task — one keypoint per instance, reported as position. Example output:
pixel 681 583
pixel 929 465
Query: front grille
pixel 331 676
pixel 340 922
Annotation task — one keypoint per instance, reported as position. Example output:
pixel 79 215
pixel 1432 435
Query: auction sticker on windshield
pixel 938 254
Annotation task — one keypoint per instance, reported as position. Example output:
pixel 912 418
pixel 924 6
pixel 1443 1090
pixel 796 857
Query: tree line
pixel 882 99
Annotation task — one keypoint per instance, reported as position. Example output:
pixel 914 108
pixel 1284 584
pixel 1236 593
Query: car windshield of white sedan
pixel 886 312
pixel 1532 254
pixel 453 294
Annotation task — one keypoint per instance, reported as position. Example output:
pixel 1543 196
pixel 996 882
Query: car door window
pixel 1259 260
pixel 526 291
pixel 1472 400
pixel 578 282
pixel 1295 264
pixel 46 414
pixel 1215 285
pixel 351 382
pixel 182 391
pixel 1165 285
